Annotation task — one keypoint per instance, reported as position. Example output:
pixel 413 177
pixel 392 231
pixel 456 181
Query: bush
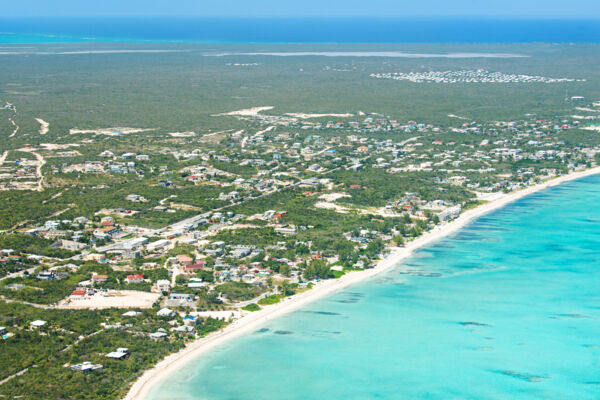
pixel 273 299
pixel 251 307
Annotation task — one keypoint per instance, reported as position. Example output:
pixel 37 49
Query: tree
pixel 399 240
pixel 286 289
pixel 284 270
pixel 374 247
pixel 206 276
pixel 317 269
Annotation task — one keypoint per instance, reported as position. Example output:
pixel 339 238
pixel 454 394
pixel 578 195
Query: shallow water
pixel 509 307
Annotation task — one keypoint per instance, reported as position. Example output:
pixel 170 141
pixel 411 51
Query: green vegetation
pixel 251 307
pixel 239 291
pixel 300 195
pixel 272 299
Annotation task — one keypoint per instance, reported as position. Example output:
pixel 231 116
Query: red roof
pixel 198 265
pixel 78 292
pixel 136 276
pixel 354 186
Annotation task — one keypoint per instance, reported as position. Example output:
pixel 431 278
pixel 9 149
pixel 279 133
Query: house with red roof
pixel 134 278
pixel 78 294
pixel 193 268
pixel 99 278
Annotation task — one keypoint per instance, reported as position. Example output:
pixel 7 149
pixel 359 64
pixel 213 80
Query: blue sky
pixel 298 8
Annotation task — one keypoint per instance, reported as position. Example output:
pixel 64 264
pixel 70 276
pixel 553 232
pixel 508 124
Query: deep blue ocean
pixel 506 308
pixel 306 30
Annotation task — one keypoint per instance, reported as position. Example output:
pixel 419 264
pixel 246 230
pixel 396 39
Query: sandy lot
pixel 109 131
pixel 182 134
pixel 308 116
pixel 44 126
pixel 333 196
pixel 247 112
pixel 113 299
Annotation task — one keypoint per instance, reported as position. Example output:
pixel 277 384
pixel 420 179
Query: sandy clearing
pixel 247 112
pixel 333 196
pixel 112 299
pixel 331 206
pixel 54 146
pixel 252 321
pixel 269 129
pixel 182 134
pixel 308 116
pixel 44 126
pixel 592 128
pixel 14 132
pixel 457 116
pixel 117 131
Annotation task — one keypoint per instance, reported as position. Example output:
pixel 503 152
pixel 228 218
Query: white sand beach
pixel 140 389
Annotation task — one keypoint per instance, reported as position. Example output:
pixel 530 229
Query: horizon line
pixel 338 17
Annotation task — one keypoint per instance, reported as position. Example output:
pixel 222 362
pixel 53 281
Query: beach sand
pixel 250 322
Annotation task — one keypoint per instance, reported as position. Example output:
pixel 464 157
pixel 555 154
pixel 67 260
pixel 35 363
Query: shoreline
pixel 144 384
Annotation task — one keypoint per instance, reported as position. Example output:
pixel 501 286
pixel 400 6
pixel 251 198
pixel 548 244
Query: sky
pixel 589 9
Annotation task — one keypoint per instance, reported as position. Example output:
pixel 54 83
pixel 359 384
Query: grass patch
pixel 272 299
pixel 338 274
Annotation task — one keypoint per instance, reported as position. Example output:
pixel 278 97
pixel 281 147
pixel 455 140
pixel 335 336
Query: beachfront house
pixel 86 367
pixel 158 335
pixel 119 354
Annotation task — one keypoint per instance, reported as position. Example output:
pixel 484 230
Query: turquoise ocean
pixel 297 30
pixel 506 308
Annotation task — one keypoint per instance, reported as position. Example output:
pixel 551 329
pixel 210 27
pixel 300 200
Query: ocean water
pixel 297 30
pixel 506 308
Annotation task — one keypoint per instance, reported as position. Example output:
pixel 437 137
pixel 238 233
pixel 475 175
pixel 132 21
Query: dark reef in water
pixel 322 312
pixel 574 316
pixel 283 332
pixel 348 301
pixel 262 330
pixel 422 273
pixel 523 376
pixel 591 346
pixel 472 323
